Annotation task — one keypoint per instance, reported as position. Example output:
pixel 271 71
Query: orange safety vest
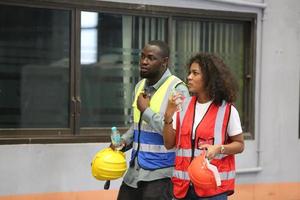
pixel 212 130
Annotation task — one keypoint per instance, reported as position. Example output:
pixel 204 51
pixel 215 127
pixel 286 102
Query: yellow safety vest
pixel 148 144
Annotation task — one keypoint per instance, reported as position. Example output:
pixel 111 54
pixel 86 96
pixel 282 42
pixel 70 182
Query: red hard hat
pixel 200 175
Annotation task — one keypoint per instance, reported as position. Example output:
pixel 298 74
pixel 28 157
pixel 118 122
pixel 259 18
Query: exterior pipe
pixel 242 3
pixel 260 92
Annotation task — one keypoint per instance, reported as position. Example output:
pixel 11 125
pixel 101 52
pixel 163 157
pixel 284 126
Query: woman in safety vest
pixel 207 123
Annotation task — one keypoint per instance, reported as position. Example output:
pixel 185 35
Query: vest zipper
pixel 193 140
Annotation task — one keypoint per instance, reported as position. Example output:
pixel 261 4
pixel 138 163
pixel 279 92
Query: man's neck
pixel 153 81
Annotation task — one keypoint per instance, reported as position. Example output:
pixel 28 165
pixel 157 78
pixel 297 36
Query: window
pixel 68 74
pixel 226 38
pixel 34 67
pixel 114 52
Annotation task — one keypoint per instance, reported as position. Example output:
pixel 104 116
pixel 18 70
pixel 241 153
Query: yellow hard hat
pixel 108 164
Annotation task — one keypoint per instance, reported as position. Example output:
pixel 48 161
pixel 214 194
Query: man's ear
pixel 166 61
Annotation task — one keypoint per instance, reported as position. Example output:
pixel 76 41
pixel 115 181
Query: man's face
pixel 152 64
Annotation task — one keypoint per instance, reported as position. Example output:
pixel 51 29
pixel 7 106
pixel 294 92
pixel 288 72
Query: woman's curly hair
pixel 219 82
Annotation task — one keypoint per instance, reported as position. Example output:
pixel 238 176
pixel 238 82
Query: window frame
pixel 75 134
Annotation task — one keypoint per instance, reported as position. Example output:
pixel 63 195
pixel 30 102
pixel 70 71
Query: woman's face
pixel 195 80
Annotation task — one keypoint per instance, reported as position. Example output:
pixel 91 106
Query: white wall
pixel 41 168
pixel 66 167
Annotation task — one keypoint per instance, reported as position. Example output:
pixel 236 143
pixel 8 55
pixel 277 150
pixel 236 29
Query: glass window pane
pixel 110 50
pixel 225 39
pixel 34 67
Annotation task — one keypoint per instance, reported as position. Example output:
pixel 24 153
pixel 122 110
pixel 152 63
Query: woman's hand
pixel 169 133
pixel 234 147
pixel 172 106
pixel 211 150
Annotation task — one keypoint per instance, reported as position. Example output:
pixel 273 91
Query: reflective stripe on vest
pixel 185 176
pixel 152 148
pixel 148 142
pixel 219 123
pixel 188 153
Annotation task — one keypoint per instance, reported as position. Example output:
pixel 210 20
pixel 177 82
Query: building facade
pixel 68 70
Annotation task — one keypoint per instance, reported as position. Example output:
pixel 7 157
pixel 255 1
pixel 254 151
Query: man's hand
pixel 120 146
pixel 143 102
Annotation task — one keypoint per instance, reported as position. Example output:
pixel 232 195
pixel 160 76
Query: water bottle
pixel 116 138
pixel 179 99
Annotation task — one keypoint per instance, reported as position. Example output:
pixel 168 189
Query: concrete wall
pixel 272 157
pixel 278 93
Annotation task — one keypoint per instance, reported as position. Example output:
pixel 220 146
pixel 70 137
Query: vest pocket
pixel 177 182
pixel 180 187
pixel 223 165
pixel 185 137
pixel 181 163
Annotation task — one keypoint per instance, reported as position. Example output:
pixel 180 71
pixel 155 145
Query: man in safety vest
pixel 151 165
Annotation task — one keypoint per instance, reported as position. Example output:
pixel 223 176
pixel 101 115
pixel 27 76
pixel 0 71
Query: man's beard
pixel 147 75
pixel 150 74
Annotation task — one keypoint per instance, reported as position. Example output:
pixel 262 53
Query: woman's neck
pixel 203 98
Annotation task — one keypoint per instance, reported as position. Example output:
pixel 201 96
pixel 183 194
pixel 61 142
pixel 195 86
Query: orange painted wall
pixel 280 191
